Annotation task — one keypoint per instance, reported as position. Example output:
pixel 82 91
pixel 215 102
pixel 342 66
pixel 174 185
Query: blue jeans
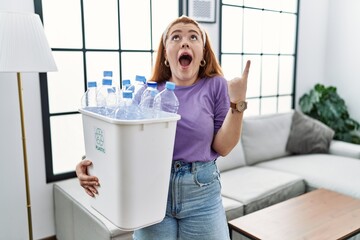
pixel 194 208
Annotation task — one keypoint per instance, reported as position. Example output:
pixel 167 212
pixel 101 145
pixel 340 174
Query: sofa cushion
pixel 265 137
pixel 233 160
pixel 336 173
pixel 233 208
pixel 344 149
pixel 258 187
pixel 308 135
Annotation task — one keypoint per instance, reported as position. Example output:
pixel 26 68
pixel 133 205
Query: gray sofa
pixel 259 172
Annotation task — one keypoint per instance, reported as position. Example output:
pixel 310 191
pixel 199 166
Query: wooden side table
pixel 317 215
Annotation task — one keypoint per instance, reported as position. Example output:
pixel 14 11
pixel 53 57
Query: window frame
pixel 45 108
pixel 221 53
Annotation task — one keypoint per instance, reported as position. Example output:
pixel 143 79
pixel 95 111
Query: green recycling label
pixel 99 140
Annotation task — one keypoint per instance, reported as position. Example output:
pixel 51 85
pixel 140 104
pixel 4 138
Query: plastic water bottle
pixel 166 100
pixel 137 84
pixel 88 100
pixel 102 95
pixel 139 87
pixel 147 100
pixel 126 83
pixel 109 75
pixel 111 102
pixel 126 110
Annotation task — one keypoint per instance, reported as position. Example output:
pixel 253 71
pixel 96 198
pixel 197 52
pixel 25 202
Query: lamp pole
pixel 26 171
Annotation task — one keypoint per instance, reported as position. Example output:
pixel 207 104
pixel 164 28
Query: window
pixel 88 37
pixel 263 31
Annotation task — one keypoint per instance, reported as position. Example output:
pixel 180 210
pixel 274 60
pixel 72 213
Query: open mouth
pixel 185 59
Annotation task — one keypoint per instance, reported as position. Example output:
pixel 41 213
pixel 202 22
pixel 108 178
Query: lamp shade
pixel 23 45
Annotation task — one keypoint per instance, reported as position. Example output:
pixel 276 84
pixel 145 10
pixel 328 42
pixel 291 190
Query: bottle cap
pixel 152 84
pixel 91 84
pixel 127 94
pixel 126 82
pixel 170 85
pixel 107 73
pixel 107 82
pixel 140 78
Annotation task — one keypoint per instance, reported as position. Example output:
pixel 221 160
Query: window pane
pixel 231 65
pixel 135 64
pixel 62 31
pixel 253 86
pixel 268 105
pixel 232 37
pixel 285 103
pixel 67 142
pixel 66 86
pixel 253 107
pixel 254 3
pixel 161 18
pixel 101 24
pixel 287 33
pixel 98 62
pixel 271 34
pixel 269 77
pixel 234 2
pixel 252 31
pixel 273 4
pixel 286 74
pixel 289 5
pixel 135 24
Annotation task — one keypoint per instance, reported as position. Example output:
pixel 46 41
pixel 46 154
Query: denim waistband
pixel 190 166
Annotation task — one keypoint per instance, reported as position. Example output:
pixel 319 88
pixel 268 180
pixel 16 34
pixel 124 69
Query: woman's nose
pixel 184 44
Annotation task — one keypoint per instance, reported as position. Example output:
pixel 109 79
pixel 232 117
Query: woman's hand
pixel 89 183
pixel 237 86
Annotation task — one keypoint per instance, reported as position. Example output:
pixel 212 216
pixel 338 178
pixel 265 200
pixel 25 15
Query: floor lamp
pixel 24 48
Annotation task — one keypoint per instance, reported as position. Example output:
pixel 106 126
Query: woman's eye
pixel 194 37
pixel 175 37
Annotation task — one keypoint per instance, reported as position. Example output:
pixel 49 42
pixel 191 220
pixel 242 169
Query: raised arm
pixel 229 134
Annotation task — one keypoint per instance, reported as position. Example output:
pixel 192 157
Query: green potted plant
pixel 324 104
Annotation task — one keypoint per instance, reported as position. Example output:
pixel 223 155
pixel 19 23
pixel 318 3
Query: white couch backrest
pixel 264 137
pixel 234 159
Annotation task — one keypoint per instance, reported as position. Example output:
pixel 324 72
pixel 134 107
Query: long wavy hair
pixel 162 73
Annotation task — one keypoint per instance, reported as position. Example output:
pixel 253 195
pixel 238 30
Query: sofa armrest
pixel 345 149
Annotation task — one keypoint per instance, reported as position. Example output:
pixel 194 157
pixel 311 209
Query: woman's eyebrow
pixel 180 31
pixel 175 31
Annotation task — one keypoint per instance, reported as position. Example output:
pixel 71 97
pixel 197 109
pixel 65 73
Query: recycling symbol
pixel 99 137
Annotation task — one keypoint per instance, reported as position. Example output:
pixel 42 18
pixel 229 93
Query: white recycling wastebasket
pixel 132 159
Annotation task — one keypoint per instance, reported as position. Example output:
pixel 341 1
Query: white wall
pixel 327 53
pixel 312 37
pixel 13 217
pixel 343 52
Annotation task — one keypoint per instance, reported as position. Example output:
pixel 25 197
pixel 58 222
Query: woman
pixel 211 110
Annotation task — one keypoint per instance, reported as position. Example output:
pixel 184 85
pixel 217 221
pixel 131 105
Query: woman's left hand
pixel 237 86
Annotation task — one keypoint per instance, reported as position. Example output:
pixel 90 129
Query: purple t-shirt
pixel 203 107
